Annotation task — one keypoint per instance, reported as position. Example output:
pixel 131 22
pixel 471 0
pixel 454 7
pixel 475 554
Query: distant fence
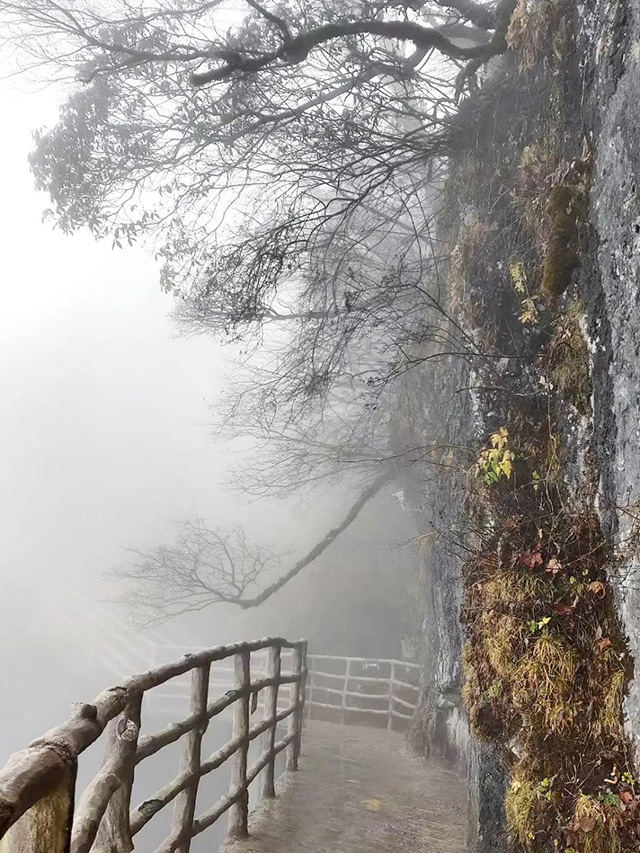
pixel 37 785
pixel 362 690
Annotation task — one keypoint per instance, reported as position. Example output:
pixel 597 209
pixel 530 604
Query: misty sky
pixel 103 427
pixel 105 442
pixel 103 434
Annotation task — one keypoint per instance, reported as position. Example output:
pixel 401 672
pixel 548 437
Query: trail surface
pixel 359 790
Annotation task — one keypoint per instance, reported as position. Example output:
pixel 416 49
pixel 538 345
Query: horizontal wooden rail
pixel 403 703
pixel 403 663
pixel 367 679
pixel 406 685
pixel 150 744
pixel 103 820
pixel 353 699
pixel 146 810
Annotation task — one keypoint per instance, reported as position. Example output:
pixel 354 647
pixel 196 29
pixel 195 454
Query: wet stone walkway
pixel 358 790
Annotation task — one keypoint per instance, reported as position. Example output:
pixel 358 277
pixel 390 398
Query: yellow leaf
pixel 372 805
pixel 518 277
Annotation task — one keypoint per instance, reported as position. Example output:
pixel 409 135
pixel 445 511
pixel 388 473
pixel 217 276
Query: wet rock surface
pixel 448 418
pixel 612 283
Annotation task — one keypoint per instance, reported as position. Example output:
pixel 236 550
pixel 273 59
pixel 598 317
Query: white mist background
pixel 104 439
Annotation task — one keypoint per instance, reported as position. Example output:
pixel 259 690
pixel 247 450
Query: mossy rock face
pixel 545 663
pixel 561 258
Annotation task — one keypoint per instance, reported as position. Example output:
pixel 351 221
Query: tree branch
pixel 295 51
pixel 475 13
pixel 277 21
pixel 318 549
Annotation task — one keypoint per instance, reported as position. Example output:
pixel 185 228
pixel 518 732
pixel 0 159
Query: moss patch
pixel 546 670
pixel 568 361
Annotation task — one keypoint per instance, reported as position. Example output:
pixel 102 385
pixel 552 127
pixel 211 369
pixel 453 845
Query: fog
pixel 105 444
pixel 103 427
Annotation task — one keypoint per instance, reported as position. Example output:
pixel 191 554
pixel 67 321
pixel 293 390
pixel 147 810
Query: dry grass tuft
pixel 543 685
pixel 464 255
pixel 546 672
pixel 596 825
pixel 568 360
pixel 520 809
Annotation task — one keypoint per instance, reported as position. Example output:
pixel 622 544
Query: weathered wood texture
pixel 274 666
pixel 185 805
pixel 239 811
pixel 103 812
pixel 47 824
pixel 37 785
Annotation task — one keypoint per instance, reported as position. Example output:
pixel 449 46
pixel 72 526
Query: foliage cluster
pixel 496 461
pixel 546 670
pixel 539 29
pixel 567 359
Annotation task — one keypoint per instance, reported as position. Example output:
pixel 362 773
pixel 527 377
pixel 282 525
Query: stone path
pixel 359 790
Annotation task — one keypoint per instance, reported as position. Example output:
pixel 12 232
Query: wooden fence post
pixel 294 718
pixel 114 832
pixel 391 680
pixel 311 675
pixel 345 688
pixel 185 804
pixel 46 826
pixel 270 712
pixel 303 695
pixel 239 811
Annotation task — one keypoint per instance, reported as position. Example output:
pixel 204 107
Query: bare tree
pixel 203 565
pixel 206 566
pixel 362 307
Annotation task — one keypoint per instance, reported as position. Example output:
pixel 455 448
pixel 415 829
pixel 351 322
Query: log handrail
pixel 103 820
pixel 336 698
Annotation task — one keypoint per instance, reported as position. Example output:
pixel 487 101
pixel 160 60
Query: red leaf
pixel 510 523
pixel 530 559
pixel 562 609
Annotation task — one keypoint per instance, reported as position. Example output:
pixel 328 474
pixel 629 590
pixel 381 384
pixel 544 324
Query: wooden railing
pixel 362 690
pixel 37 785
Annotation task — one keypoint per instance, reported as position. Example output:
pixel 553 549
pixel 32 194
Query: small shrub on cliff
pixel 496 461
